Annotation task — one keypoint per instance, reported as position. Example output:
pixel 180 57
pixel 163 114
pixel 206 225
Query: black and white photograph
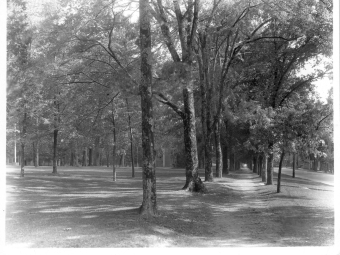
pixel 171 124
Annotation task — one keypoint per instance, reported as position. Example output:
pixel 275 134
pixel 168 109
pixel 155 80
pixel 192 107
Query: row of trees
pixel 220 79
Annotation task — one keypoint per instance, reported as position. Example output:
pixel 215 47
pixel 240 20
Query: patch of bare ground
pixel 83 207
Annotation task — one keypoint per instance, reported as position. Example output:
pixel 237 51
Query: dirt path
pixel 82 207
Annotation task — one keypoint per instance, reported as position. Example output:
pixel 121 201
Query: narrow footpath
pixel 301 215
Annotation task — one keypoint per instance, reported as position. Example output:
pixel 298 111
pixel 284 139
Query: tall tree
pixel 183 66
pixel 149 204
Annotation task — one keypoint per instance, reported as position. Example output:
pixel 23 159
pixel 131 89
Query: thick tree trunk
pixel 149 204
pixel 225 159
pixel 294 164
pixel 55 147
pixel 270 169
pixel 193 181
pixel 205 90
pixel 219 163
pixel 264 168
pixel 279 174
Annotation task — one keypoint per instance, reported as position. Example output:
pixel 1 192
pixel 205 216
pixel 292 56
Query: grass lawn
pixel 83 207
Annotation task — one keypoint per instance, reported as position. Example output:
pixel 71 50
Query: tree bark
pixel 225 159
pixel 279 174
pixel 260 165
pixel 76 158
pixel 55 148
pixel 149 204
pixel 114 174
pixel 294 164
pixel 55 135
pixel 206 94
pixel 193 181
pixel 85 157
pixel 107 152
pixel 23 140
pixel 90 156
pixel 264 168
pixel 96 161
pixel 219 163
pixel 36 163
pixel 131 140
pixel 270 166
pixel 255 164
pixel 270 169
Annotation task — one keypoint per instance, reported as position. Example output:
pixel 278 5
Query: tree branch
pixel 166 101
pixel 162 20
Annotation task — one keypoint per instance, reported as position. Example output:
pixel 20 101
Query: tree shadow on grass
pixel 87 206
pixel 299 181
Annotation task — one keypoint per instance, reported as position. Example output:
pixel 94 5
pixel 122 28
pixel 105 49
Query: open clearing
pixel 83 207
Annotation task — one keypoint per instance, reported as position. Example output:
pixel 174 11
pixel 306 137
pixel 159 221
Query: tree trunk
pixel 270 166
pixel 96 151
pixel 270 169
pixel 71 158
pixel 264 168
pixel 315 163
pixel 225 159
pixel 149 204
pixel 279 174
pixel 55 147
pixel 255 164
pixel 219 163
pixel 23 140
pixel 294 164
pixel 84 157
pixel 131 140
pixel 90 156
pixel 107 157
pixel 76 158
pixel 36 163
pixel 250 163
pixel 205 89
pixel 260 165
pixel 22 160
pixel 114 174
pixel 193 181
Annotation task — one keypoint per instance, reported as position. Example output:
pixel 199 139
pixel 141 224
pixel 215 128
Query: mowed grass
pixel 83 207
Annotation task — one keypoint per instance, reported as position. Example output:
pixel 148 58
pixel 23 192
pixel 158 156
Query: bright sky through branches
pixel 322 86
